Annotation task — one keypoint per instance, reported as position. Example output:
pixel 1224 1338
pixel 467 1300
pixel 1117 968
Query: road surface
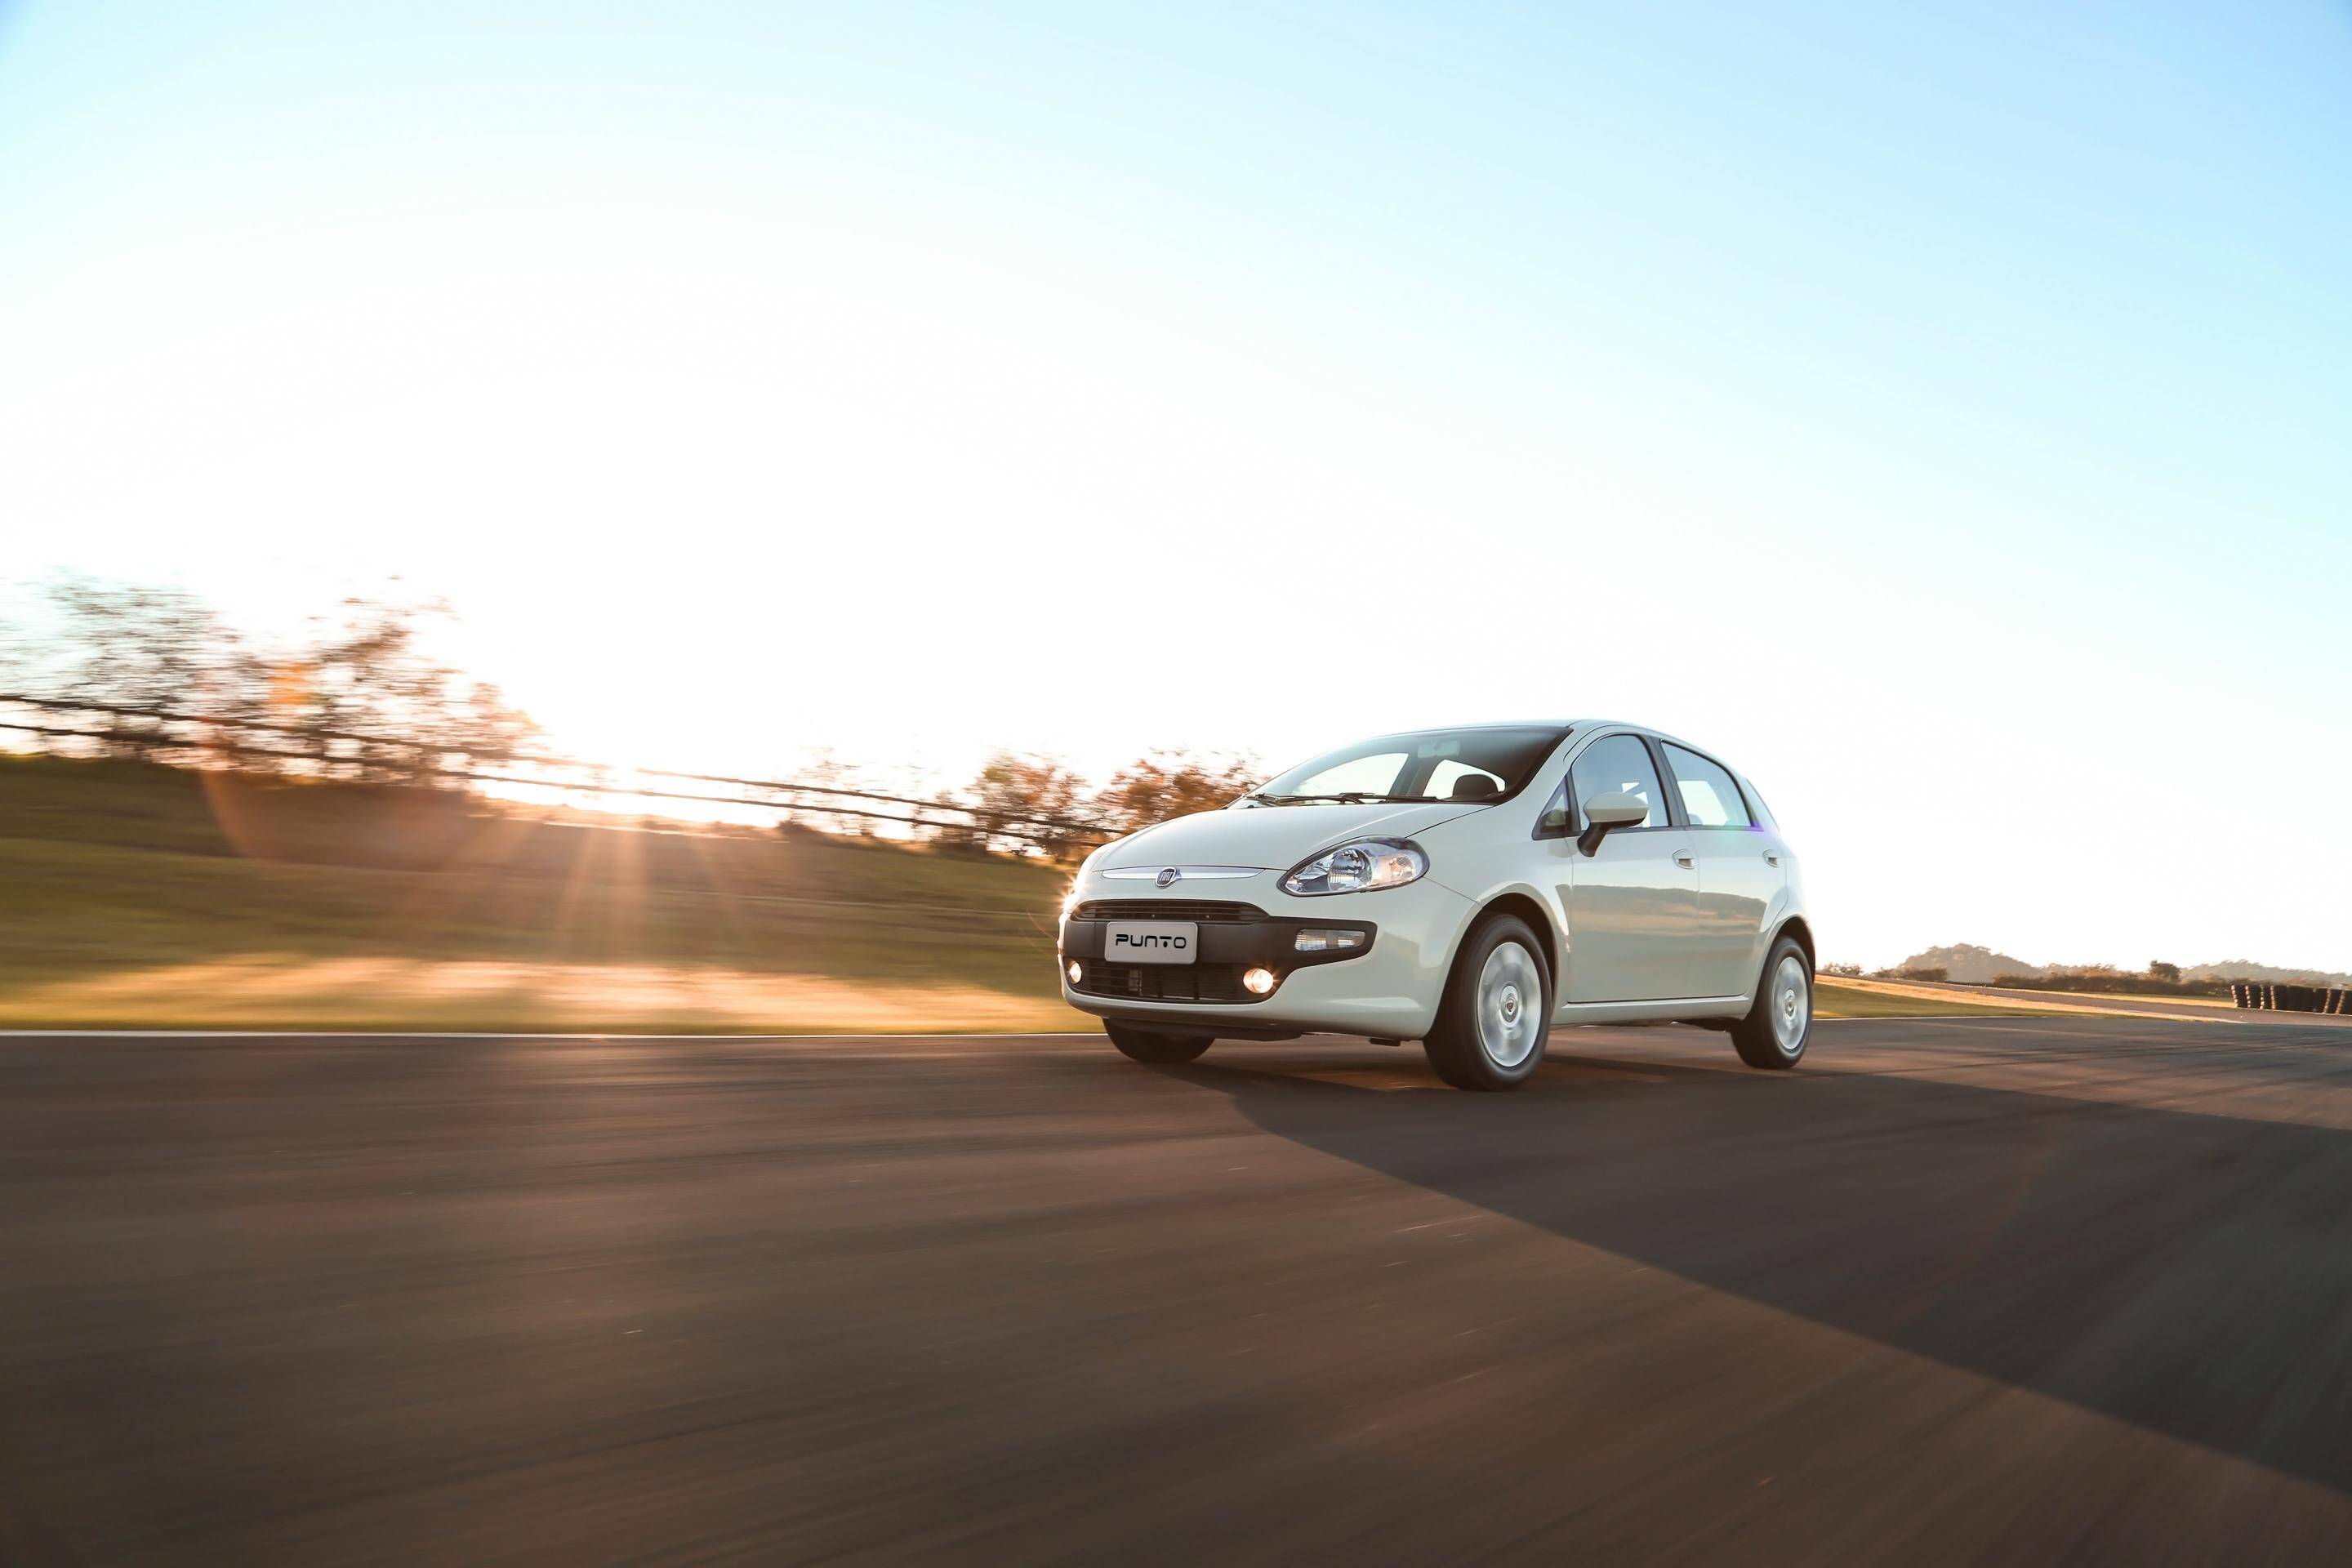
pixel 1958 1291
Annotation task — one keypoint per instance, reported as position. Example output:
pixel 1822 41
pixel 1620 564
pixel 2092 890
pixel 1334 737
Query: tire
pixel 1490 1031
pixel 1773 1034
pixel 1152 1046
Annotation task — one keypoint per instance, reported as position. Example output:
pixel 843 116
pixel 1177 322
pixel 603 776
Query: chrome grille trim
pixel 1184 873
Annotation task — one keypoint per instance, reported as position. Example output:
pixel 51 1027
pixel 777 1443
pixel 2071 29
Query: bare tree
pixel 954 826
pixel 829 773
pixel 1014 791
pixel 133 646
pixel 174 676
pixel 1166 784
pixel 368 676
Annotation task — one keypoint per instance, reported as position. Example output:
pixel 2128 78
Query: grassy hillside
pixel 1838 998
pixel 137 896
pixel 134 896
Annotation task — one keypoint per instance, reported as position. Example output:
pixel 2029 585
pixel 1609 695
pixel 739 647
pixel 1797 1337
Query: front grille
pixel 1163 981
pixel 1202 910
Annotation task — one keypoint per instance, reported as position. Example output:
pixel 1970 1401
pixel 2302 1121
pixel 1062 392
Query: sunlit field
pixel 138 897
pixel 134 897
pixel 1835 998
pixel 284 991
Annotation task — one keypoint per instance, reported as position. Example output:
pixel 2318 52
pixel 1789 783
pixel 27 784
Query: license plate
pixel 1151 942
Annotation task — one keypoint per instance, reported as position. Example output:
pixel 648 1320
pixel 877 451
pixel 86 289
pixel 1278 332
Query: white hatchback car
pixel 1466 888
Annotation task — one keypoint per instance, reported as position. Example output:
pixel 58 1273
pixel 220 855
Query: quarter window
pixel 1710 798
pixel 1614 764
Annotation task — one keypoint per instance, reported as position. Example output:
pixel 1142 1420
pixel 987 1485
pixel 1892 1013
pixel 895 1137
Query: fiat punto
pixel 1466 888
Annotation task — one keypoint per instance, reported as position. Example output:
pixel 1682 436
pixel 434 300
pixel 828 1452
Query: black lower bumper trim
pixel 1219 982
pixel 1269 943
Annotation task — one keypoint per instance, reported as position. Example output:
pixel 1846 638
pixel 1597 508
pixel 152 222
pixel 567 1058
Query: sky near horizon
pixel 1941 412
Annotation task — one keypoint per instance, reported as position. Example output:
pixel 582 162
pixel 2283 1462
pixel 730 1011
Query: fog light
pixel 1074 972
pixel 1327 941
pixel 1257 980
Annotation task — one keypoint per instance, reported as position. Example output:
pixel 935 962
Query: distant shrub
pixel 2107 978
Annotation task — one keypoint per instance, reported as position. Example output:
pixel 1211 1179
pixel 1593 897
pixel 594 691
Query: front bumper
pixel 1389 988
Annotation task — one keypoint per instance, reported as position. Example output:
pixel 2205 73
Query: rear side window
pixel 1709 798
pixel 1616 764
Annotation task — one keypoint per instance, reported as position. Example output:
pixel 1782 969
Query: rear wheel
pixel 1495 1015
pixel 1152 1046
pixel 1774 1032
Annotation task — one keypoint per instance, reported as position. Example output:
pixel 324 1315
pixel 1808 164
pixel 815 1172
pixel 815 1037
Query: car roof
pixel 1583 727
pixel 1579 725
pixel 1573 726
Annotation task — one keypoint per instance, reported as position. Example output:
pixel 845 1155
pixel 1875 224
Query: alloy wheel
pixel 1510 1005
pixel 1792 1005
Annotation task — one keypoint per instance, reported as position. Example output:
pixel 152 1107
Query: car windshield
pixel 1478 765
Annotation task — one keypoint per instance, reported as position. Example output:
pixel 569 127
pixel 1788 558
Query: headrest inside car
pixel 1473 786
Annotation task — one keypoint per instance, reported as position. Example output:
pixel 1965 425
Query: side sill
pixel 1636 1012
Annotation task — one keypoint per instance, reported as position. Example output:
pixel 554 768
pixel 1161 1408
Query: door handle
pixel 1686 858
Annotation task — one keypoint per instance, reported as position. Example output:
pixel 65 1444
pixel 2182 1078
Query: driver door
pixel 1632 907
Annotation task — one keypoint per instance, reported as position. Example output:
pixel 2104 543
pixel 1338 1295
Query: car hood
pixel 1274 838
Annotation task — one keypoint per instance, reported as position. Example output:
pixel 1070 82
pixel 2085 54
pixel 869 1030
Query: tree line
pixel 2158 977
pixel 355 696
pixel 1153 788
pixel 358 697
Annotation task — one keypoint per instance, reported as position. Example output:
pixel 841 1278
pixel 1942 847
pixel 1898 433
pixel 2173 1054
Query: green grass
pixel 141 896
pixel 2091 994
pixel 1832 1000
pixel 133 895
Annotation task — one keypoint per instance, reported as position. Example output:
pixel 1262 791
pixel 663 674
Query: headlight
pixel 1359 868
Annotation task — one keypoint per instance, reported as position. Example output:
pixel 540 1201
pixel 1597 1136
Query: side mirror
pixel 1613 809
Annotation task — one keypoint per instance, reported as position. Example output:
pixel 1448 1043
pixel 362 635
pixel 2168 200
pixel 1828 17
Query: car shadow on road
pixel 2190 1273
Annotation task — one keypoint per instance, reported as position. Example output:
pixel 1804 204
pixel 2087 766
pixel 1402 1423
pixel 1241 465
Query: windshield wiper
pixel 1350 797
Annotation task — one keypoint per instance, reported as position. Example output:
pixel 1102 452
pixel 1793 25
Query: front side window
pixel 1709 798
pixel 1482 765
pixel 1619 764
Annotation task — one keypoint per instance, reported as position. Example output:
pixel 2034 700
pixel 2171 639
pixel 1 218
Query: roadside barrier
pixel 2271 997
pixel 255 741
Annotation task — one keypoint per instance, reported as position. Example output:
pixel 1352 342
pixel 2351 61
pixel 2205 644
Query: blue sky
pixel 1822 381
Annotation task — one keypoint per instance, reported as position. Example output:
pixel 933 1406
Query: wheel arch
pixel 1795 926
pixel 1538 921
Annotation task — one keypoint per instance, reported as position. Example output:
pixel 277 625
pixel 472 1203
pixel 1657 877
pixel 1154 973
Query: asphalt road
pixel 2001 1290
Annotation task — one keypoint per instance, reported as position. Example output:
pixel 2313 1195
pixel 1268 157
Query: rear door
pixel 1740 872
pixel 1632 908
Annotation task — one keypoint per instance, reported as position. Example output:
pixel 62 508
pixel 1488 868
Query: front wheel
pixel 1774 1032
pixel 1151 1046
pixel 1497 1012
